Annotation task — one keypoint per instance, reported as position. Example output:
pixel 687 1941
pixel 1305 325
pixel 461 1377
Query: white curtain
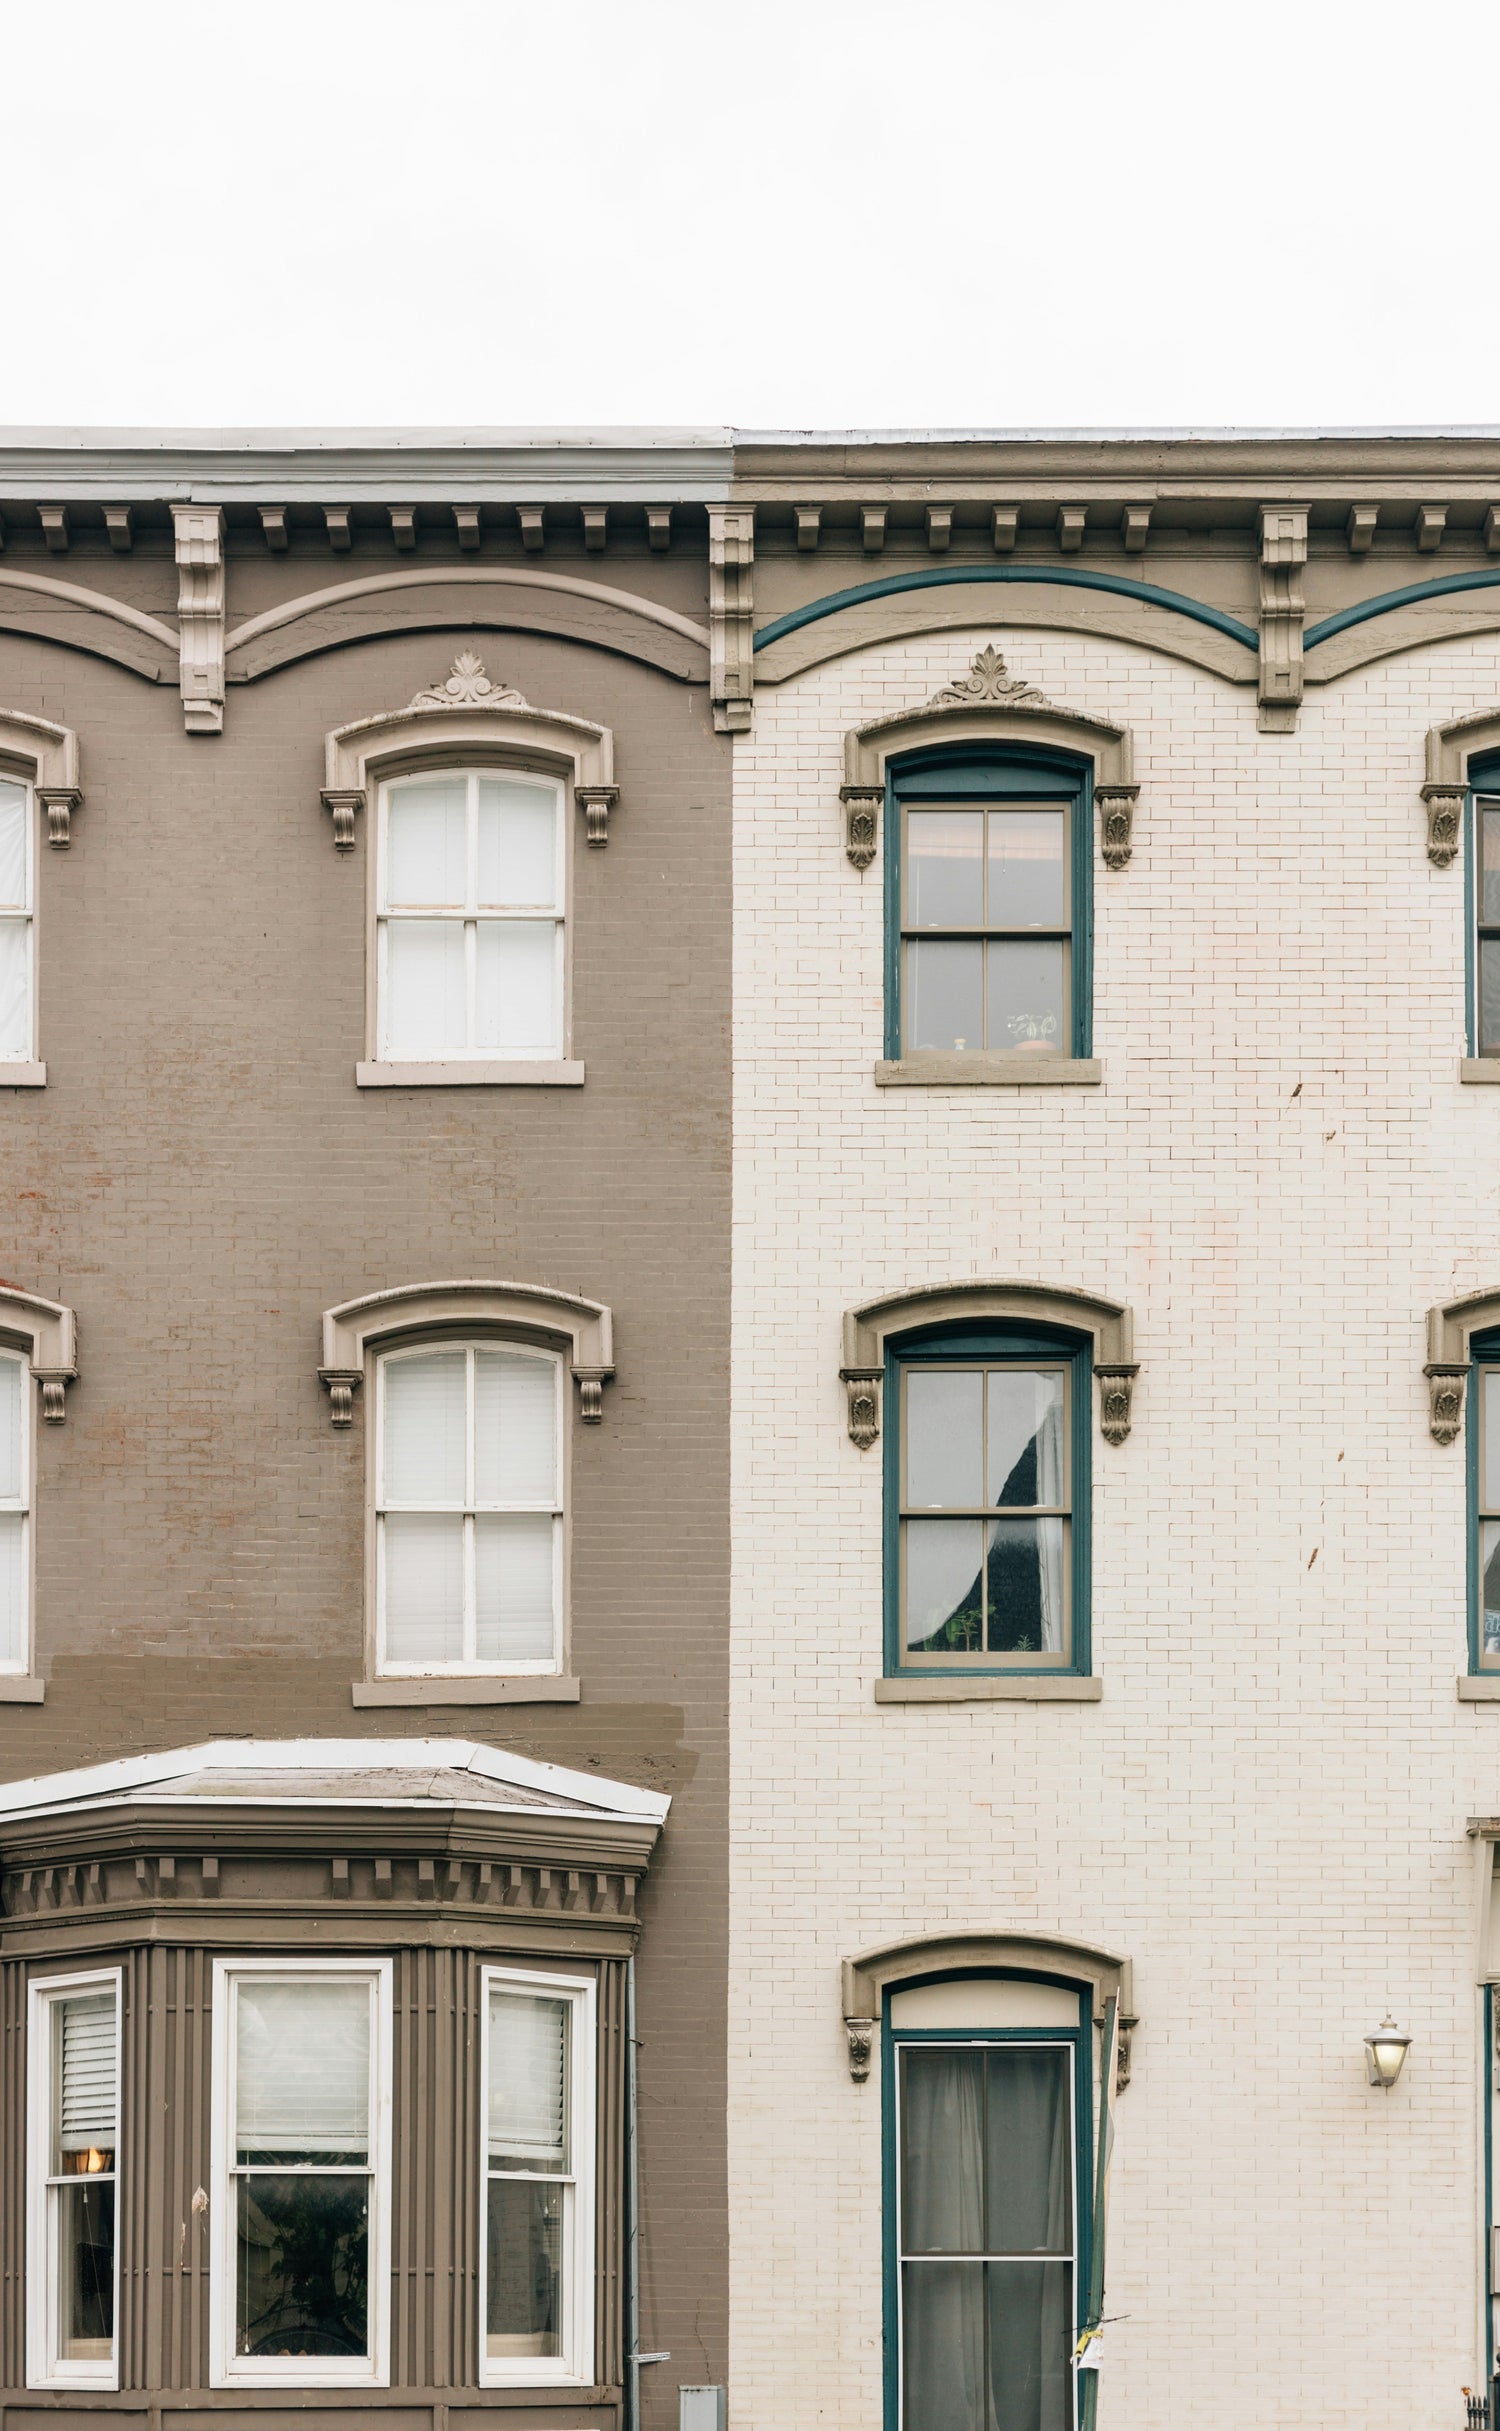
pixel 302 2059
pixel 86 2040
pixel 528 2087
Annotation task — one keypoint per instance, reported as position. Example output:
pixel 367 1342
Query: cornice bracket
pixel 1283 608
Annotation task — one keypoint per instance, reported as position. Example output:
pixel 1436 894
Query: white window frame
pixel 45 2368
pixel 533 1666
pixel 27 911
pixel 574 2368
pixel 19 1668
pixel 228 2370
pixel 469 913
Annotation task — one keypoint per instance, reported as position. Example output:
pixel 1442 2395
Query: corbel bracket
pixel 1446 1384
pixel 1283 554
pixel 345 804
pixel 200 616
pixel 342 1383
pixel 1116 1391
pixel 59 802
pixel 863 1387
pixel 1116 822
pixel 731 616
pixel 1445 810
pixel 596 802
pixel 861 821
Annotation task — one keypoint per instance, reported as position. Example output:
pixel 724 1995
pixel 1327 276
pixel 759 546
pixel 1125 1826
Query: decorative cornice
pixel 990 685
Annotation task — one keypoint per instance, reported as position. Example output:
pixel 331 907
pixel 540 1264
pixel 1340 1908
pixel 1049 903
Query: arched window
pixel 986 1392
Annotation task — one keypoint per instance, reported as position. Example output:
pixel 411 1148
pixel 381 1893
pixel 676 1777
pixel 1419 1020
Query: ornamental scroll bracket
pixel 989 705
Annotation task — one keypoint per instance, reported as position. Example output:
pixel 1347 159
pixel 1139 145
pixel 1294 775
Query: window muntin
pixel 985 2232
pixel 984 1523
pixel 469 1510
pixel 75 2099
pixel 17 907
pixel 469 917
pixel 1486 1422
pixel 537 2228
pixel 15 1513
pixel 302 2094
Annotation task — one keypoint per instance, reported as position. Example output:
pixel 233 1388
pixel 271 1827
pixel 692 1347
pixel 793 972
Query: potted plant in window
pixel 1034 1032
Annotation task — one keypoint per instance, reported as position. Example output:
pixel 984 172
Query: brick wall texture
pixel 1267 1811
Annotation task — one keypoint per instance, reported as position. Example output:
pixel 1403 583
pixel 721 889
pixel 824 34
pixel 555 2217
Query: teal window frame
pixel 1485 1360
pixel 955 772
pixel 932 1346
pixel 1484 778
pixel 892 2038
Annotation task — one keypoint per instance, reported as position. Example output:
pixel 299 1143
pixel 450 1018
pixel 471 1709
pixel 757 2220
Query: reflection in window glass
pixel 980 1439
pixel 470 918
pixel 986 945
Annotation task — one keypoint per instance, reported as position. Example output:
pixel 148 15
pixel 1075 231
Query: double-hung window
pixel 302 2150
pixel 15 1513
pixel 986 1484
pixel 469 1509
pixel 17 908
pixel 537 2232
pixel 73 2273
pixel 988 911
pixel 470 917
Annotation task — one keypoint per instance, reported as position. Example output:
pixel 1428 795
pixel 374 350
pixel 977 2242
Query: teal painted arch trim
pixel 1080 578
pixel 1480 578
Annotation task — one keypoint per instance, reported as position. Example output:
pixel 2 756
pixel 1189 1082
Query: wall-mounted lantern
pixel 1385 2054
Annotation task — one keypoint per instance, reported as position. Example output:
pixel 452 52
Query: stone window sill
pixel 981 1070
pixel 468 1076
pixel 543 1688
pixel 16 1691
pixel 1026 1688
pixel 1479 1688
pixel 23 1076
pixel 1477 1071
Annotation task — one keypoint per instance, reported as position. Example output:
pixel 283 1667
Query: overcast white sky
pixel 827 213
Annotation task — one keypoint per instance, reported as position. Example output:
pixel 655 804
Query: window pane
pixel 942 2344
pixel 1027 997
pixel 424 1428
pixel 944 994
pixel 944 1563
pixel 1028 2153
pixel 528 2088
pixel 944 869
pixel 303 2265
pixel 517 842
pixel 1026 870
pixel 302 2069
pixel 424 987
pixel 1489 864
pixel 1030 2317
pixel 516 986
pixel 15 989
pixel 12 1412
pixel 85 2101
pixel 515 1600
pixel 515 1428
pixel 525 2278
pixel 1024 1437
pixel 13 895
pixel 1489 1569
pixel 12 1589
pixel 424 1588
pixel 942 2151
pixel 944 1438
pixel 1489 995
pixel 1489 1474
pixel 1025 1581
pixel 86 2269
pixel 427 842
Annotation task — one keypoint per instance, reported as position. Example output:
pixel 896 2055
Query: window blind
pixel 528 2088
pixel 87 2105
pixel 302 2056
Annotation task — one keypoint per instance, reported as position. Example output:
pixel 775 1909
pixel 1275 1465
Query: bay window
pixel 75 2110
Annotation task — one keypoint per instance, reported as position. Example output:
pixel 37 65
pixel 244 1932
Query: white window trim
pixel 20 1668
pixel 45 2369
pixel 574 2368
pixel 25 1062
pixel 533 1668
pixel 228 2370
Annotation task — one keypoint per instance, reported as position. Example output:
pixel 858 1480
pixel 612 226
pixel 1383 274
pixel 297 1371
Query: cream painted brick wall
pixel 1267 1810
